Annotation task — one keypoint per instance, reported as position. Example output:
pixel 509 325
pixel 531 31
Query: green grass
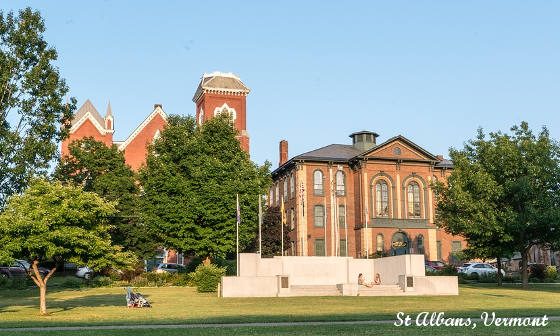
pixel 174 305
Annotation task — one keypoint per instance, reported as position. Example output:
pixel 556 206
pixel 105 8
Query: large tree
pixel 271 233
pixel 32 107
pixel 103 170
pixel 50 221
pixel 190 182
pixel 504 194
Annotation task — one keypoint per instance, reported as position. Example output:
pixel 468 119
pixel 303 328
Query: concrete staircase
pixel 380 290
pixel 315 290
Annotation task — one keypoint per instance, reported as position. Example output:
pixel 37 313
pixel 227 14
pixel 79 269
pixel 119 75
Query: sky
pixel 432 71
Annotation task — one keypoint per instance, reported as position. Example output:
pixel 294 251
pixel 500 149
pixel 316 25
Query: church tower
pixel 218 93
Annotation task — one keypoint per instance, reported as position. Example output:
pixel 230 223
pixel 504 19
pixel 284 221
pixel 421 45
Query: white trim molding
pixel 226 108
pixel 95 123
pixel 139 129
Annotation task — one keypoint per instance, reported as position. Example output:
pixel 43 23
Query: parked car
pixel 478 269
pixel 430 269
pixel 19 269
pixel 84 272
pixel 438 265
pixel 26 266
pixel 167 267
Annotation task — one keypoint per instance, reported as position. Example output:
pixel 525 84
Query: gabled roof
pixel 157 110
pixel 220 82
pixel 86 107
pixel 332 152
pixel 407 142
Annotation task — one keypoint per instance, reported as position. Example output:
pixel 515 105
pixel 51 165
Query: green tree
pixel 50 221
pixel 103 170
pixel 32 107
pixel 504 194
pixel 271 233
pixel 190 181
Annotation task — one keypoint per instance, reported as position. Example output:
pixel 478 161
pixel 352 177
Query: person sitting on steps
pixel 361 280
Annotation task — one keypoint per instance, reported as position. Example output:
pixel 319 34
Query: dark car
pixel 19 269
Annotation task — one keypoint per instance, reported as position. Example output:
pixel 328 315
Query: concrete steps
pixel 380 290
pixel 316 290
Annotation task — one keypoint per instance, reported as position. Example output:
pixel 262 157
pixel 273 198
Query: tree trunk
pixel 499 271
pixel 42 283
pixel 524 275
pixel 43 299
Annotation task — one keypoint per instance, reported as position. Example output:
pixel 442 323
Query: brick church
pixel 217 93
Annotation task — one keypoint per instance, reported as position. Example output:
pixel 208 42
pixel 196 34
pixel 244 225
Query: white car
pixel 478 269
pixel 84 272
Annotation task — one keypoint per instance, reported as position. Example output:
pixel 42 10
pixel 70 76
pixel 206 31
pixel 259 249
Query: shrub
pixel 448 270
pixel 15 283
pixel 230 265
pixel 207 277
pixel 139 281
pixel 488 278
pixel 537 271
pixel 180 279
pixel 193 264
pixel 550 272
pixel 130 274
pixel 535 280
pixel 71 282
pixel 101 281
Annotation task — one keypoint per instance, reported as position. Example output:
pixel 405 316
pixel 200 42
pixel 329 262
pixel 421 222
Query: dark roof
pixel 331 152
pixel 445 164
pixel 86 107
pixel 227 82
pixel 364 132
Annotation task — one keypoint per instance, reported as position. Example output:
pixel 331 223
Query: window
pixel 455 247
pixel 438 244
pixel 343 250
pixel 180 259
pixel 271 200
pixel 420 244
pixel 277 196
pixel 292 186
pixel 319 216
pixel 413 200
pixel 341 216
pixel 293 247
pixel 340 183
pixel 319 246
pixel 285 189
pixel 379 242
pixel 318 183
pixel 292 219
pixel 381 199
pixel 397 151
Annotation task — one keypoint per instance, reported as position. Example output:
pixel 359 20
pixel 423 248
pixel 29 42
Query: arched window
pixel 420 244
pixel 381 199
pixel 285 189
pixel 292 186
pixel 319 216
pixel 318 183
pixel 413 199
pixel 340 183
pixel 379 242
pixel 277 195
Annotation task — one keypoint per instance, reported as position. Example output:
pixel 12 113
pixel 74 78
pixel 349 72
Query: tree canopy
pixel 190 181
pixel 504 194
pixel 50 221
pixel 103 170
pixel 32 107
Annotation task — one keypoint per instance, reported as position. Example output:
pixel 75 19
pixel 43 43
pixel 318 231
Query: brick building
pixel 217 93
pixel 349 199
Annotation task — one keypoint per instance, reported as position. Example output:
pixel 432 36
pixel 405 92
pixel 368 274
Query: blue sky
pixel 433 71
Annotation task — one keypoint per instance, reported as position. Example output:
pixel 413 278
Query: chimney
pixel 158 105
pixel 440 157
pixel 283 152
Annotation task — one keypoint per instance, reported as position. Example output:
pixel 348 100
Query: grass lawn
pixel 175 305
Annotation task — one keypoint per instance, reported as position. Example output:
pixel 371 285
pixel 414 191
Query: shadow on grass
pixel 548 288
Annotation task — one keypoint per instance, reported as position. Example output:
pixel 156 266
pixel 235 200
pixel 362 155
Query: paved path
pixel 216 325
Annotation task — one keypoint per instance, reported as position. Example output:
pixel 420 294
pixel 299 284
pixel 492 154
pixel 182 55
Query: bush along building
pixel 363 199
pixel 217 93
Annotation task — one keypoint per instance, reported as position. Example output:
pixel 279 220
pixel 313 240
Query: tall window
pixel 319 247
pixel 381 199
pixel 277 196
pixel 420 244
pixel 318 183
pixel 319 216
pixel 292 218
pixel 343 250
pixel 379 242
pixel 271 199
pixel 285 189
pixel 413 199
pixel 455 247
pixel 340 183
pixel 292 186
pixel 341 216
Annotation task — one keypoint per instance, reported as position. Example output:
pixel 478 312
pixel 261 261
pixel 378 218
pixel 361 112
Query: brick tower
pixel 218 93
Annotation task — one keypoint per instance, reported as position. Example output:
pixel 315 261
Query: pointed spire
pixel 109 113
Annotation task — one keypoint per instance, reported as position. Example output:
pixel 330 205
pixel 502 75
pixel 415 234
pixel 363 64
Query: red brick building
pixel 349 199
pixel 217 93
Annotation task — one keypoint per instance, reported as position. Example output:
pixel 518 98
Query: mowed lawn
pixel 178 305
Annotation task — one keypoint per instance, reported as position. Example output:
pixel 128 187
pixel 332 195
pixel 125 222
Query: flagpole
pixel 345 227
pixel 282 227
pixel 260 226
pixel 238 215
pixel 367 238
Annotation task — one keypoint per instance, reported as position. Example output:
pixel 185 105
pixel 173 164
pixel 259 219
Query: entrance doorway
pixel 400 243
